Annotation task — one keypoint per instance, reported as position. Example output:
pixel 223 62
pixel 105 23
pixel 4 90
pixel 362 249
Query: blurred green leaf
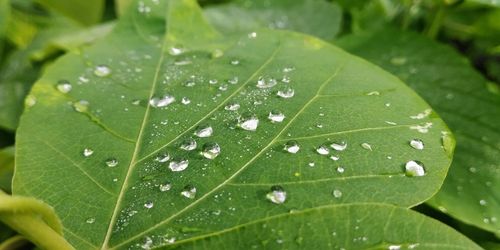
pixel 121 6
pixel 462 97
pixel 86 12
pixel 6 168
pixel 315 17
pixel 493 3
pixel 4 16
pixel 21 29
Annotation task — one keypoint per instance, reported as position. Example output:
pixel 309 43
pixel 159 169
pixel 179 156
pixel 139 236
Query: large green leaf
pixel 471 191
pixel 92 146
pixel 315 17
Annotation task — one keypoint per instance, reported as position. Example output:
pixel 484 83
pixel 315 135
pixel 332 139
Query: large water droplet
pixel 339 146
pixel 64 86
pixel 248 121
pixel 178 164
pixel 164 101
pixel 322 150
pixel 337 193
pixel 102 71
pixel 414 168
pixel 266 82
pixel 81 106
pixel 149 205
pixel 163 157
pixel 112 162
pixel 188 144
pixel 287 93
pixel 204 131
pixel 232 106
pixel 417 144
pixel 210 150
pixel 87 152
pixel 276 116
pixel 165 186
pixel 189 192
pixel 277 195
pixel 292 147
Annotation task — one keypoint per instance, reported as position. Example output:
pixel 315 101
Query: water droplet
pixel 149 205
pixel 337 193
pixel 292 147
pixel 252 35
pixel 340 170
pixel 277 195
pixel 165 186
pixel 334 158
pixel 87 152
pixel 414 168
pixel 248 121
pixel 235 62
pixel 373 93
pixel 212 81
pixel 223 87
pixel 482 202
pixel 112 162
pixel 394 247
pixel 30 101
pixel 189 192
pixel 366 146
pixel 232 107
pixel 188 144
pixel 185 101
pixel 178 164
pixel 81 106
pixel 102 71
pixel 473 169
pixel 210 150
pixel 166 100
pixel 90 220
pixel 266 82
pixel 64 86
pixel 276 116
pixel 422 115
pixel 164 157
pixel 398 61
pixel 422 128
pixel 417 144
pixel 339 146
pixel 286 79
pixel 288 69
pixel 204 131
pixel 175 51
pixel 287 93
pixel 311 164
pixel 233 80
pixel 322 150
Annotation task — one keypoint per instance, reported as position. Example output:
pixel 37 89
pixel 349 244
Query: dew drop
pixel 175 51
pixel 248 121
pixel 235 62
pixel 210 150
pixel 292 147
pixel 178 164
pixel 189 192
pixel 414 168
pixel 81 106
pixel 340 170
pixel 266 82
pixel 322 150
pixel 212 81
pixel 277 195
pixel 276 116
pixel 185 101
pixel 188 144
pixel 64 86
pixel 366 146
pixel 287 93
pixel 337 193
pixel 339 146
pixel 30 101
pixel 417 144
pixel 233 80
pixel 288 69
pixel 164 101
pixel 102 71
pixel 394 247
pixel 285 79
pixel 482 202
pixel 149 205
pixel 165 186
pixel 204 131
pixel 252 35
pixel 87 152
pixel 232 107
pixel 112 162
pixel 334 158
pixel 164 157
pixel 90 220
pixel 311 164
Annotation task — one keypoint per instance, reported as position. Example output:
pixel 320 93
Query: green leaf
pixel 121 6
pixel 86 12
pixel 493 3
pixel 315 17
pixel 4 16
pixel 112 196
pixel 356 226
pixel 6 168
pixel 461 96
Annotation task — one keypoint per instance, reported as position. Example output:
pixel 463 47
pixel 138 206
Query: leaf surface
pixel 113 198
pixel 466 101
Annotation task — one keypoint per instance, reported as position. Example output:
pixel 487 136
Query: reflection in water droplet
pixel 277 195
pixel 210 150
pixel 189 192
pixel 287 93
pixel 149 204
pixel 64 86
pixel 248 121
pixel 366 146
pixel 81 106
pixel 163 157
pixel 112 162
pixel 178 164
pixel 292 147
pixel 232 107
pixel 414 168
pixel 322 150
pixel 266 82
pixel 188 144
pixel 276 116
pixel 165 186
pixel 102 71
pixel 337 193
pixel 87 152
pixel 339 146
pixel 417 144
pixel 166 100
pixel 204 131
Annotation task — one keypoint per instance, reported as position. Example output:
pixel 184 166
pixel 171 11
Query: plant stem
pixel 435 25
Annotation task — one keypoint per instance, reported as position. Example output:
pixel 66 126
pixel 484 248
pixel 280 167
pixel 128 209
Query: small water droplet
pixel 417 144
pixel 90 220
pixel 339 146
pixel 87 152
pixel 178 164
pixel 373 93
pixel 288 69
pixel 149 205
pixel 164 101
pixel 340 170
pixel 366 146
pixel 210 150
pixel 189 192
pixel 188 144
pixel 165 186
pixel 276 116
pixel 233 80
pixel 185 101
pixel 163 157
pixel 212 81
pixel 287 93
pixel 112 162
pixel 286 79
pixel 414 168
pixel 311 164
pixel 337 193
pixel 322 150
pixel 235 62
pixel 292 147
pixel 30 101
pixel 266 82
pixel 277 195
pixel 64 86
pixel 482 202
pixel 232 106
pixel 394 247
pixel 252 35
pixel 204 131
pixel 248 121
pixel 398 61
pixel 102 71
pixel 175 51
pixel 334 158
pixel 81 106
